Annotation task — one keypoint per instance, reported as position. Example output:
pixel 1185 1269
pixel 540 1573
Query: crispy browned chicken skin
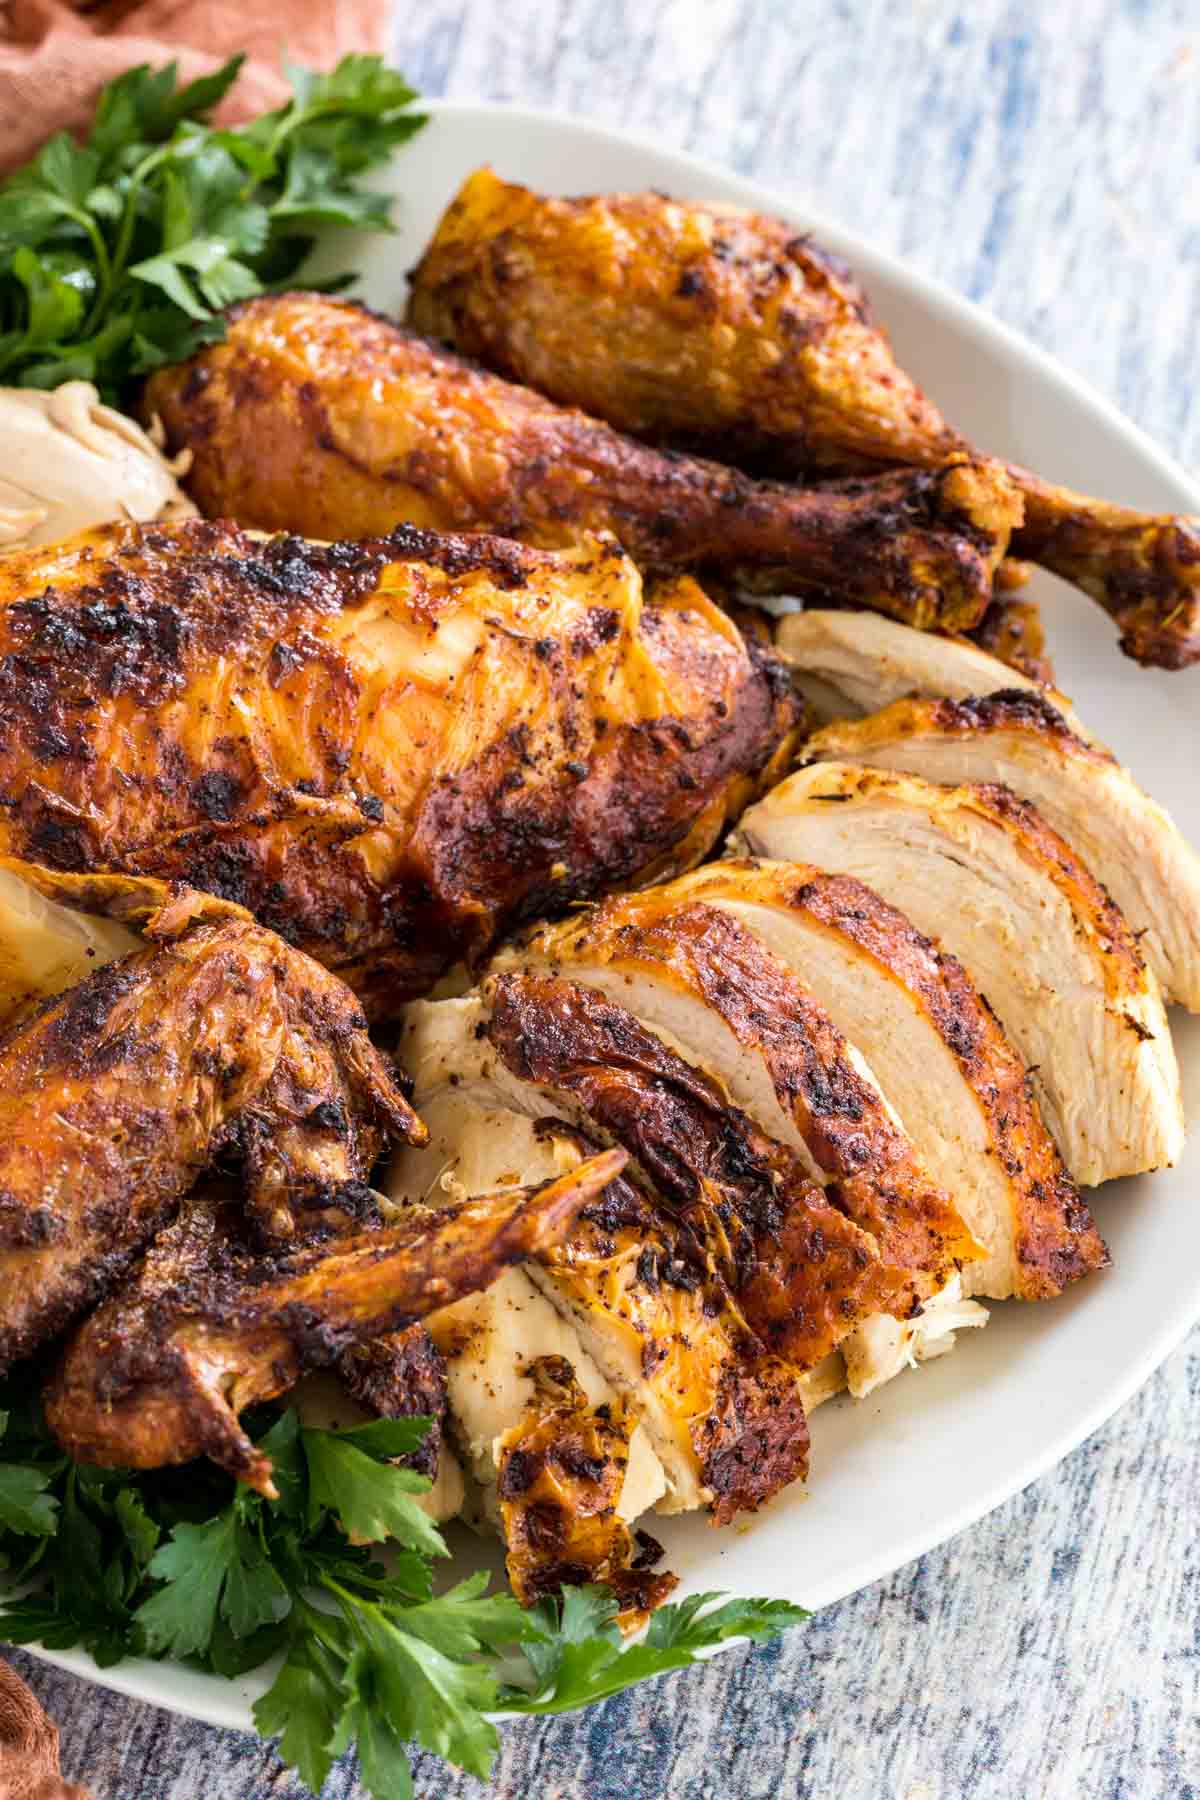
pixel 160 1373
pixel 316 416
pixel 560 1475
pixel 730 333
pixel 116 1096
pixel 801 1271
pixel 389 751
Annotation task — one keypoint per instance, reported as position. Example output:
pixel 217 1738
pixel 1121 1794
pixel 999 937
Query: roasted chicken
pixel 934 1046
pixel 562 1466
pixel 314 415
pixel 116 1096
pixel 160 1372
pixel 847 663
pixel 1019 740
pixel 389 751
pixel 982 873
pixel 730 333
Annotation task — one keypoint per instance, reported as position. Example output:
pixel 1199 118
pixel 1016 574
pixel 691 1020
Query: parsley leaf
pixel 25 1505
pixel 578 1657
pixel 215 1569
pixel 373 1500
pixel 183 1562
pixel 119 254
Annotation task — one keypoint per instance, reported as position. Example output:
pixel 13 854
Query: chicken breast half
pixel 707 987
pixel 982 873
pixel 848 663
pixel 391 750
pixel 1018 739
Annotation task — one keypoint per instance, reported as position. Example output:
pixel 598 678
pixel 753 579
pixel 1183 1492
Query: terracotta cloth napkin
pixel 29 1747
pixel 54 55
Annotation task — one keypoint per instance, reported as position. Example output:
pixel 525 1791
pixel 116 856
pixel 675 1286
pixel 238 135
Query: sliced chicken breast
pixel 724 1417
pixel 939 1055
pixel 850 663
pixel 1018 739
pixel 708 987
pixel 803 1273
pixel 490 1340
pixel 982 873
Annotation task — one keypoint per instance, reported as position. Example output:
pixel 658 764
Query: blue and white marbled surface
pixel 1042 158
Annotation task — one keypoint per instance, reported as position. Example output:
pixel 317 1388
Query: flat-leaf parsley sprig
pixel 186 1564
pixel 117 254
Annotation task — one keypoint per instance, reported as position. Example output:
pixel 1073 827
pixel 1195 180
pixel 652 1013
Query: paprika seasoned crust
pixel 562 1467
pixel 388 751
pixel 701 980
pixel 984 875
pixel 209 1326
pixel 801 1272
pixel 118 1094
pixel 628 1297
pixel 710 328
pixel 1020 741
pixel 317 416
pixel 940 1056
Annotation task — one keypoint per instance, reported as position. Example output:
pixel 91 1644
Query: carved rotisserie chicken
pixel 726 332
pixel 389 751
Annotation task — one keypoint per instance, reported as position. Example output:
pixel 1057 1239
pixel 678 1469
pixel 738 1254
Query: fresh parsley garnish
pixel 117 254
pixel 183 1563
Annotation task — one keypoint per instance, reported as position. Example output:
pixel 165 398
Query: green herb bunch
pixel 183 1563
pixel 118 254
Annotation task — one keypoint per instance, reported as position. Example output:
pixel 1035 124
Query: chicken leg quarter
pixel 729 333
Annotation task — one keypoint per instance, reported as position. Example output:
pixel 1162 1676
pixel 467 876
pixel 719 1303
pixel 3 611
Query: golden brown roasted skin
pixel 707 954
pixel 1056 1237
pixel 802 1273
pixel 728 332
pixel 160 1372
pixel 560 1474
pixel 737 1405
pixel 314 415
pixel 118 1094
pixel 389 751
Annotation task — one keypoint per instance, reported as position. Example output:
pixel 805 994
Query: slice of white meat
pixel 45 947
pixel 982 873
pixel 939 1054
pixel 1018 740
pixel 725 1418
pixel 850 663
pixel 489 1340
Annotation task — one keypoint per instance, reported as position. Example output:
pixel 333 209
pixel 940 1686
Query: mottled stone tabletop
pixel 1041 158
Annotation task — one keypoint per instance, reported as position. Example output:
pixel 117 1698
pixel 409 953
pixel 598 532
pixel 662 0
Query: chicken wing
pixel 119 1093
pixel 388 751
pixel 160 1373
pixel 730 333
pixel 317 416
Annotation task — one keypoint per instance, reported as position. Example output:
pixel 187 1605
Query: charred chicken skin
pixel 727 332
pixel 160 1373
pixel 116 1096
pixel 314 415
pixel 389 751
